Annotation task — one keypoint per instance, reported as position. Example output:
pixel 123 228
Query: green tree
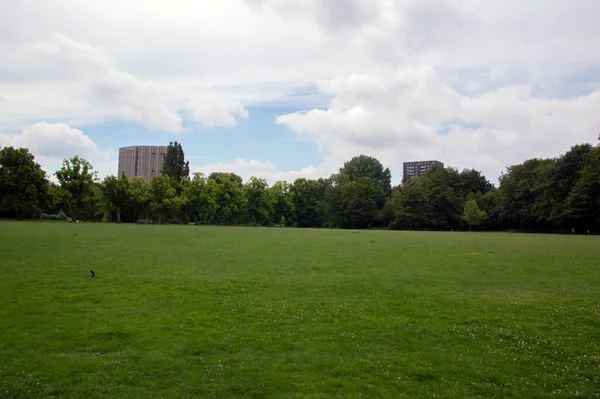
pixel 76 179
pixel 354 204
pixel 309 201
pixel 409 207
pixel 201 197
pixel 163 197
pixel 23 183
pixel 139 197
pixel 567 173
pixel 117 193
pixel 583 203
pixel 472 214
pixel 473 181
pixel 175 166
pixel 490 203
pixel 442 194
pixel 230 197
pixel 93 204
pixel 518 192
pixel 218 177
pixel 283 202
pixel 368 166
pixel 259 203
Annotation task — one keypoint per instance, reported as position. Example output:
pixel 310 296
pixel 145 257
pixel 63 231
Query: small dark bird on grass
pixel 92 273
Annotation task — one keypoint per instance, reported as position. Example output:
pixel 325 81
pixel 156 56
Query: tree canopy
pixel 23 183
pixel 553 194
pixel 76 179
pixel 175 166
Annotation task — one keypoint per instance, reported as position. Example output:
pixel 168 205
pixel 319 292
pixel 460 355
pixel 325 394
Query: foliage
pixel 76 179
pixel 163 197
pixel 355 204
pixel 370 167
pixel 283 202
pixel 259 203
pixel 23 183
pixel 309 199
pixel 219 177
pixel 139 197
pixel 410 208
pixel 229 197
pixel 201 197
pixel 555 194
pixel 117 193
pixel 472 214
pixel 583 202
pixel 175 166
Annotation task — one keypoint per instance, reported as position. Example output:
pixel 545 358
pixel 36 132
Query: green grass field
pixel 217 312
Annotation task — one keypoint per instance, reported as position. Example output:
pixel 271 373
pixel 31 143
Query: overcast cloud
pixel 480 84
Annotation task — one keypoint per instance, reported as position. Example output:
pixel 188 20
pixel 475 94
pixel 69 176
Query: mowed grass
pixel 218 312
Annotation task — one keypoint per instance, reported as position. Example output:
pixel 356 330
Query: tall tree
pixel 518 192
pixel 230 197
pixel 583 203
pixel 308 202
pixel 163 197
pixel 409 206
pixel 567 172
pixel 354 204
pixel 139 197
pixel 93 204
pixel 473 181
pixel 368 166
pixel 441 189
pixel 76 179
pixel 23 183
pixel 283 202
pixel 201 197
pixel 116 191
pixel 175 166
pixel 259 205
pixel 219 177
pixel 490 203
pixel 472 214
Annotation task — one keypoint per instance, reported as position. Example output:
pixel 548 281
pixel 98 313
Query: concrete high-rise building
pixel 417 168
pixel 142 160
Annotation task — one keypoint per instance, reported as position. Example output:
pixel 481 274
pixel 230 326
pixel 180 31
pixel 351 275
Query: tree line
pixel 554 194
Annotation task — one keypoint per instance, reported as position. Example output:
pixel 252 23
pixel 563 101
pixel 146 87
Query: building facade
pixel 417 168
pixel 142 160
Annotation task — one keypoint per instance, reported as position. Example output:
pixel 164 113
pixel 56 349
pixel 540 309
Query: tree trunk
pixel 118 214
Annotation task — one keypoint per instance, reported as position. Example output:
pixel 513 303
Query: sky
pixel 281 89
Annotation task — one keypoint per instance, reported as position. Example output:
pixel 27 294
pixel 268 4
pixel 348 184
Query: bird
pixel 92 273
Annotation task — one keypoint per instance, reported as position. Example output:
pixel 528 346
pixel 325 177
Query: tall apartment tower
pixel 417 168
pixel 142 160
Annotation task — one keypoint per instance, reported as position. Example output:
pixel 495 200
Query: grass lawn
pixel 218 312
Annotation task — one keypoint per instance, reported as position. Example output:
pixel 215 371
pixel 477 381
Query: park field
pixel 228 312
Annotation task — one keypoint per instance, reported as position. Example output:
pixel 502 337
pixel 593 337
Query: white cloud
pixel 398 72
pixel 399 115
pixel 51 143
pixel 61 78
pixel 264 170
pixel 52 140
